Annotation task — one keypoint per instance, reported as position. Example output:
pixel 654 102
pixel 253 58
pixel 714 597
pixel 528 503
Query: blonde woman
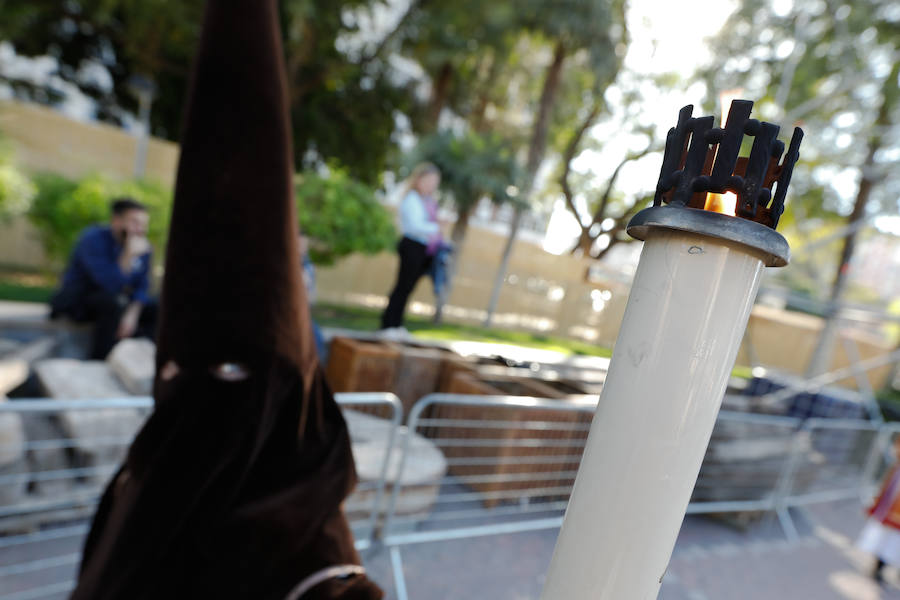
pixel 421 240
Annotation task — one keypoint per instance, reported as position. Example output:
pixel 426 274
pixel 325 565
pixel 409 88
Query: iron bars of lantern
pixel 702 159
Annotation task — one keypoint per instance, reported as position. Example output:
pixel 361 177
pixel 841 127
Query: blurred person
pixel 233 488
pixel 309 281
pixel 106 281
pixel 417 248
pixel 880 536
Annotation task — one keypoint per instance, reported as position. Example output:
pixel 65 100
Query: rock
pixel 421 479
pixel 38 349
pixel 8 347
pixel 12 437
pixel 133 362
pixel 68 378
pixel 12 459
pixel 46 457
pixel 99 437
pixel 13 373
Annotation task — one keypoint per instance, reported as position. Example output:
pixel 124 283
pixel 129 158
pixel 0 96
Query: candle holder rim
pixel 769 243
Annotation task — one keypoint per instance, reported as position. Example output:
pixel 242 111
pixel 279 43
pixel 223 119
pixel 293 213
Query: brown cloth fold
pixel 233 487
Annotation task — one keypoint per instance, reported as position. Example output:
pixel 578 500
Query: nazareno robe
pixel 233 488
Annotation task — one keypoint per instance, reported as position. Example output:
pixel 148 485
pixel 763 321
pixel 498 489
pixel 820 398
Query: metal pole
pixel 143 141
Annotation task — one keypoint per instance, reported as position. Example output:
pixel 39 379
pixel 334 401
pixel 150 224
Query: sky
pixel 659 45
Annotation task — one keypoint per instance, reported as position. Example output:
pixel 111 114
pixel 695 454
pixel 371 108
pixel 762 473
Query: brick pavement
pixel 712 561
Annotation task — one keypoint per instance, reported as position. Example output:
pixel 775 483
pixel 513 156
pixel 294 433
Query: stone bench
pixel 421 477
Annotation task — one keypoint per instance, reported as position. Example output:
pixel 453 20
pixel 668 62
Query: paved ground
pixel 712 561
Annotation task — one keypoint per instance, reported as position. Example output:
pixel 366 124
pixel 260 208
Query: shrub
pixel 341 216
pixel 16 192
pixel 63 207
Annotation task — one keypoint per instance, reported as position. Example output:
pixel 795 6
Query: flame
pixel 722 203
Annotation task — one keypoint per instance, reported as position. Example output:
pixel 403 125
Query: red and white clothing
pixel 881 534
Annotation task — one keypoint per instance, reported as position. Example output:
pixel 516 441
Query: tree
pixel 343 102
pixel 572 27
pixel 343 107
pixel 833 66
pixel 99 44
pixel 609 212
pixel 473 167
pixel 457 44
pixel 340 216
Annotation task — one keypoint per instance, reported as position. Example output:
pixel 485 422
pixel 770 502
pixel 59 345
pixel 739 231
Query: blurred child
pixel 881 534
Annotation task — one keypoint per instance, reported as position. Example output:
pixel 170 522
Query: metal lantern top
pixel 701 159
pixel 702 167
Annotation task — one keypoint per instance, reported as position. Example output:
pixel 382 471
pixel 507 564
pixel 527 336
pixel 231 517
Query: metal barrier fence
pixel 745 464
pixel 59 454
pixel 482 465
pixel 465 466
pixel 509 464
pixel 831 460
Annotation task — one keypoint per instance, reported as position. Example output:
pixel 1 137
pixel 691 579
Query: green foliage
pixel 472 166
pixel 63 207
pixel 16 191
pixel 151 37
pixel 828 66
pixel 343 101
pixel 342 104
pixel 17 292
pixel 341 216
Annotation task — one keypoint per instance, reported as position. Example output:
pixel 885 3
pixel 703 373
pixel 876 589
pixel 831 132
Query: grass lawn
pixel 34 287
pixel 22 286
pixel 366 319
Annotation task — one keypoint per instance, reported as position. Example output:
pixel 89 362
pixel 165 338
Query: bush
pixel 16 189
pixel 63 207
pixel 341 216
pixel 16 192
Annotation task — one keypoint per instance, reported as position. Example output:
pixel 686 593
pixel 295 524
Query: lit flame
pixel 722 203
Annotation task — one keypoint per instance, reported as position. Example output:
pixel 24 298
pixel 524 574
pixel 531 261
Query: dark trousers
pixel 105 311
pixel 414 262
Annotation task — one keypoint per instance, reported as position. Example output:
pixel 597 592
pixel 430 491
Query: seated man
pixel 106 280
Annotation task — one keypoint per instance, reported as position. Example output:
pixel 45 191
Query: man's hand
pixel 134 247
pixel 129 322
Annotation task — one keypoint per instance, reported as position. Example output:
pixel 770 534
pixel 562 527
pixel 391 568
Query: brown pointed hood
pixel 232 290
pixel 233 487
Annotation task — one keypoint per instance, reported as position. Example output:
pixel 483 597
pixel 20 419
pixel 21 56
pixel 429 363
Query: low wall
pixel 542 292
pixel 785 341
pixel 45 140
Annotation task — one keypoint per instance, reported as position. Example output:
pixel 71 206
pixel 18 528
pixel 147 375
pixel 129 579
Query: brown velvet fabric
pixel 233 488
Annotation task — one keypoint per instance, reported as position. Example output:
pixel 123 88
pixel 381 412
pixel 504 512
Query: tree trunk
pixel 821 358
pixel 535 156
pixel 439 92
pixel 584 240
pixel 478 116
pixel 460 228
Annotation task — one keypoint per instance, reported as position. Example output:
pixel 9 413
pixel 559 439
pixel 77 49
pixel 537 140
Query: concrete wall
pixel 543 292
pixel 45 140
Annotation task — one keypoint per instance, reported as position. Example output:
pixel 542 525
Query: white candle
pixel 680 334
